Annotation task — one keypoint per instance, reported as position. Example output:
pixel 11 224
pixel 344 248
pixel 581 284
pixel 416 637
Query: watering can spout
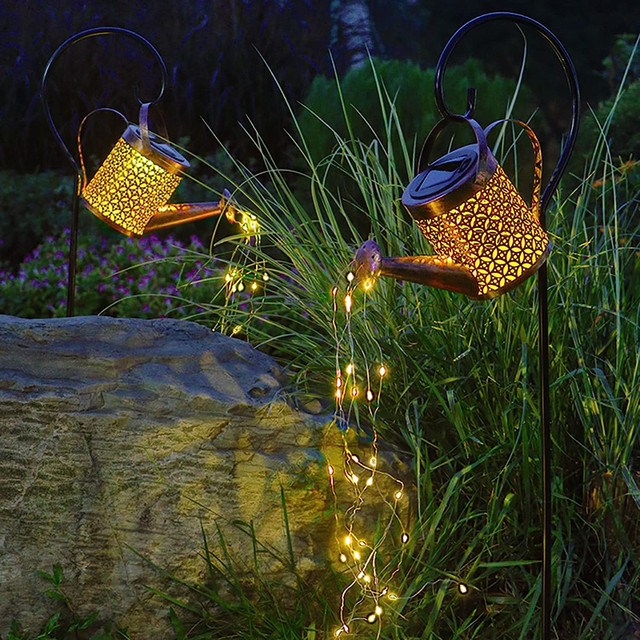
pixel 434 271
pixel 170 215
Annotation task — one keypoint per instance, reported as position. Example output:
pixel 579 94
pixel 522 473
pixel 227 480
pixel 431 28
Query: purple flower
pixel 101 287
pixel 58 255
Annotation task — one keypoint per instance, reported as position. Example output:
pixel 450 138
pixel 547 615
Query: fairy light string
pixel 363 543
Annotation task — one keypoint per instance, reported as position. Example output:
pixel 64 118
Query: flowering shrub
pixel 146 278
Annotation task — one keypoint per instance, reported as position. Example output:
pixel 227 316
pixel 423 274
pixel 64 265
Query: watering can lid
pixel 446 183
pixel 158 150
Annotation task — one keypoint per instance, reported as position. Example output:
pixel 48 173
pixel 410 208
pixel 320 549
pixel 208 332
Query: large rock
pixel 120 437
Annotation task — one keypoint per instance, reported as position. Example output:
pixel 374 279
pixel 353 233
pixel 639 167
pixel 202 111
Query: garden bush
pixel 144 278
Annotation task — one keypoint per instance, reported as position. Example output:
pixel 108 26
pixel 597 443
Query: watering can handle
pixel 83 171
pixel 537 164
pixel 482 171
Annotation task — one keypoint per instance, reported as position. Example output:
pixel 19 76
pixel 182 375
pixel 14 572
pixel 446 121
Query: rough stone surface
pixel 119 438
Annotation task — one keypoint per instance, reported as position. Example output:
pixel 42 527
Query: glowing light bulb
pixel 347 302
pixel 343 558
pixel 405 538
pixel 265 276
pixel 350 368
pixel 334 291
pixel 338 382
pixel 361 575
pixel 393 596
pixel 348 540
pixel 384 591
pixel 227 277
pixel 338 394
pixel 241 287
pixel 236 329
pixel 234 288
pixel 371 618
pixel 354 478
pixel 362 543
pixel 369 481
pixel 354 392
pixel 355 458
pixel 378 610
pixel 356 555
pixel 368 284
pixel 369 395
pixel 398 495
pixel 463 589
pixel 367 579
pixel 382 371
pixel 330 470
pixel 373 462
pixel 351 276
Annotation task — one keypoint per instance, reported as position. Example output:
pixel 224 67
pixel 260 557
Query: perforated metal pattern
pixel 128 189
pixel 493 234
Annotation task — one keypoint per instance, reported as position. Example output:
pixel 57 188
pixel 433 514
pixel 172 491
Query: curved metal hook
pixel 567 66
pixel 82 35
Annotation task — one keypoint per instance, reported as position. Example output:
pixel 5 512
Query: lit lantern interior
pixel 493 234
pixel 132 184
pixel 474 218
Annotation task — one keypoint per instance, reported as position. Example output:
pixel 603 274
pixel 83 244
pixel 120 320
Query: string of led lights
pixel 362 544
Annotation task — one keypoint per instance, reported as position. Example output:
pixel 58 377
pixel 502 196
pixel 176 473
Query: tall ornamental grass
pixel 461 397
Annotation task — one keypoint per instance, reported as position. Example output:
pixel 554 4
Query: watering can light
pixel 487 240
pixel 131 189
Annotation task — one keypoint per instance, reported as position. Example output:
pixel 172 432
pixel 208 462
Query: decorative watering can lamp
pixel 486 239
pixel 131 189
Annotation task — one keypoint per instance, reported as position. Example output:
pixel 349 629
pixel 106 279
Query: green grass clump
pixel 462 394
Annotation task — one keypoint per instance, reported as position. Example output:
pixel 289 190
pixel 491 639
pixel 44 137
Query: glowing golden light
pixel 493 234
pixel 463 589
pixel 398 495
pixel 330 470
pixel 382 371
pixel 338 394
pixel 369 481
pixel 369 395
pixel 254 286
pixel 240 286
pixel 334 291
pixel 350 276
pixel 129 188
pixel 355 458
pixel 368 284
pixel 371 618
pixel 373 462
pixel 348 541
pixel 343 558
pixel 378 610
pixel 347 302
pixel 404 538
pixel 367 579
pixel 350 368
pixel 265 276
pixel 393 596
pixel 356 555
pixel 354 478
pixel 354 392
